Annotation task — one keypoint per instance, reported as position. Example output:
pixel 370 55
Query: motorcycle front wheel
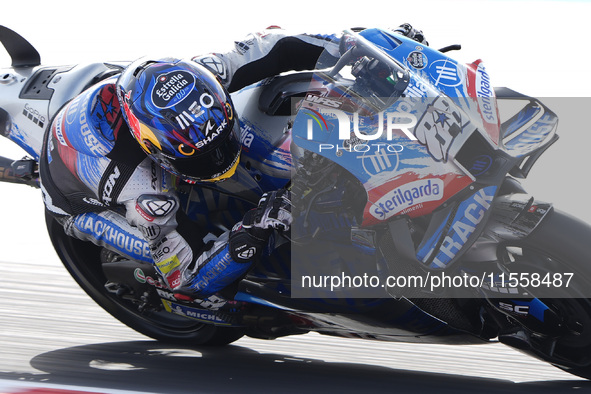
pixel 82 260
pixel 561 246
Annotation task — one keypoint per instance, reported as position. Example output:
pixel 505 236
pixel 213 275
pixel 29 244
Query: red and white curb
pixel 19 387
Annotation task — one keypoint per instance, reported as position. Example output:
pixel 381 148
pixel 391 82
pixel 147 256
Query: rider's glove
pixel 408 31
pixel 273 212
pixel 249 237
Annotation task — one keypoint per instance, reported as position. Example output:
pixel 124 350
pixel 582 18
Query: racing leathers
pixel 103 188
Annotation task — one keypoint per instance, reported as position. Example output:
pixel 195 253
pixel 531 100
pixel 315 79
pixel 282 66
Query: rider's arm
pixel 155 215
pixel 195 270
pixel 154 231
pixel 234 252
pixel 198 269
pixel 265 54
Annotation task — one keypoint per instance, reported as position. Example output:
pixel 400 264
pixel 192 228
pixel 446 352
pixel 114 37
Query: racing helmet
pixel 182 117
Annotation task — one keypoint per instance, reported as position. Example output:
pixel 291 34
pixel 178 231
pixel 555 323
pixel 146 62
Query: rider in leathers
pixel 107 175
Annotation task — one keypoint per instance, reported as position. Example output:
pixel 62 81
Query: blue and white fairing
pixel 421 132
pixel 404 152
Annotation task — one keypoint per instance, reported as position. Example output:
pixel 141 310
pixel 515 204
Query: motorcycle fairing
pixel 267 155
pixel 385 318
pixel 458 230
pixel 33 96
pixel 513 217
pixel 448 140
pixel 531 130
pixel 469 86
pixel 265 137
pixel 386 166
pixel 424 129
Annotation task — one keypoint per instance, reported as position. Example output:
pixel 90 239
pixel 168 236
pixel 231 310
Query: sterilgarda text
pixel 412 193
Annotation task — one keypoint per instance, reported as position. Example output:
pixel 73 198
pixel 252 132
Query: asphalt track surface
pixel 52 333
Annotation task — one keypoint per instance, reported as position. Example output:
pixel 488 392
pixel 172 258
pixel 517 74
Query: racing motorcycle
pixel 404 173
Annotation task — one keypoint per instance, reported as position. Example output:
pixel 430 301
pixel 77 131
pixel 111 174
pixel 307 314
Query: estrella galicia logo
pixel 172 88
pixel 417 60
pixel 480 165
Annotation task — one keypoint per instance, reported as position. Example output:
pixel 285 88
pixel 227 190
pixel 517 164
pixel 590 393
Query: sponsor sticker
pixel 58 130
pixel 156 206
pixel 150 232
pixel 34 115
pixel 168 265
pixel 109 185
pixel 407 195
pixel 486 96
pixel 326 101
pixel 174 279
pixel 109 232
pixel 417 60
pixel 248 253
pixel 139 275
pixel 172 88
pixel 379 161
pixel 196 109
pixel 160 253
pixel 193 313
pixel 93 201
pixel 246 137
pixel 214 63
pixel 446 72
pixel 480 165
pixel 534 135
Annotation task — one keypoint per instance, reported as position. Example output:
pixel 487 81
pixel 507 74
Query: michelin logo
pixel 401 198
pixel 194 313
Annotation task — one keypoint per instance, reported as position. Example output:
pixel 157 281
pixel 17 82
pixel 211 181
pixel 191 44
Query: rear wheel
pixel 83 261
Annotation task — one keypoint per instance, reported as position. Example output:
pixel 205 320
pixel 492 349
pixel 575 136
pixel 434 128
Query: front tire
pixel 83 262
pixel 562 244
